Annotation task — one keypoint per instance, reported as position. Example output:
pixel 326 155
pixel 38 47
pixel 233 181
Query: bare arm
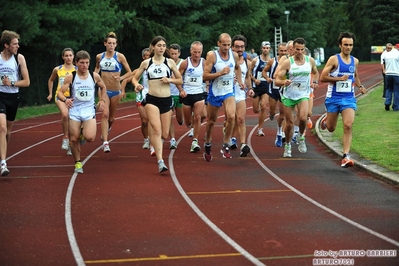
pixel 210 61
pixel 102 91
pixel 125 64
pixel 50 83
pixel 97 68
pixel 331 65
pixel 25 82
pixel 267 69
pixel 281 75
pixel 358 83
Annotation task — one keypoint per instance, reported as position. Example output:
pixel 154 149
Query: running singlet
pixel 62 73
pixel 272 71
pixel 140 96
pixel 83 92
pixel 257 73
pixel 224 84
pixel 342 89
pixel 192 77
pixel 174 91
pixel 155 71
pixel 300 77
pixel 9 69
pixel 238 92
pixel 110 64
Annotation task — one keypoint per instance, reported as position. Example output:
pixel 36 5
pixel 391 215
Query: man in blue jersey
pixel 341 74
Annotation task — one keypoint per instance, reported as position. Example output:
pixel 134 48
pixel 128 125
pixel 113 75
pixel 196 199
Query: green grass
pixel 375 131
pixel 51 108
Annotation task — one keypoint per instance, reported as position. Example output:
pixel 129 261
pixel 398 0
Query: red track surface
pixel 262 209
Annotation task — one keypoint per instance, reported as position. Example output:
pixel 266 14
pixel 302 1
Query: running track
pixel 262 209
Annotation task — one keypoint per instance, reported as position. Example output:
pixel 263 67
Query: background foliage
pixel 47 27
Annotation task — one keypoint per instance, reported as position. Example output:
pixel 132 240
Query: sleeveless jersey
pixel 192 77
pixel 174 91
pixel 83 92
pixel 62 73
pixel 257 73
pixel 110 64
pixel 342 89
pixel 140 96
pixel 155 71
pixel 9 68
pixel 224 84
pixel 300 76
pixel 238 92
pixel 272 71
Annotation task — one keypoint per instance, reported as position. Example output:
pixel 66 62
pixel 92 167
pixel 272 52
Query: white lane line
pixel 68 203
pixel 202 216
pixel 321 206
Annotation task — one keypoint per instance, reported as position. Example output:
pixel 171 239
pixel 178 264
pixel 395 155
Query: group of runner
pixel 196 88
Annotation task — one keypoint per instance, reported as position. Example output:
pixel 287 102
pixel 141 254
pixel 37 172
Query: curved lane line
pixel 203 217
pixel 68 214
pixel 321 206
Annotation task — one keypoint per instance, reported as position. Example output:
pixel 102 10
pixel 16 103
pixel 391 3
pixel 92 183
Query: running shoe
pixel 106 147
pixel 279 141
pixel 69 152
pixel 287 151
pixel 4 170
pixel 152 151
pixel 233 143
pixel 194 146
pixel 323 123
pixel 302 145
pixel 260 132
pixel 82 139
pixel 161 166
pixel 347 162
pixel 146 144
pixel 295 138
pixel 65 144
pixel 78 167
pixel 173 144
pixel 191 133
pixel 225 151
pixel 208 153
pixel 309 123
pixel 244 150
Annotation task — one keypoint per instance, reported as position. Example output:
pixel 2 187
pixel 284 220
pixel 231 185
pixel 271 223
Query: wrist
pixel 65 99
pixel 315 82
pixel 361 86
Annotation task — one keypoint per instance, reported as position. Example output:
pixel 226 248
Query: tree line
pixel 47 27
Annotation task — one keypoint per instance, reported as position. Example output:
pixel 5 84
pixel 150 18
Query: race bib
pixel 194 81
pixel 225 83
pixel 300 86
pixel 344 86
pixel 84 94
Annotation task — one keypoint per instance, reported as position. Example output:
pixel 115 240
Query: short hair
pixel 282 44
pixel 299 40
pixel 196 43
pixel 175 46
pixel 223 35
pixel 345 35
pixel 110 35
pixel 239 37
pixel 82 54
pixel 145 50
pixel 67 50
pixel 7 36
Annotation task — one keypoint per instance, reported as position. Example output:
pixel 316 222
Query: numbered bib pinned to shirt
pixel 84 93
pixel 344 86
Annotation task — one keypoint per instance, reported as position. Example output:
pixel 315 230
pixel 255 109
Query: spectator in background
pixel 390 67
pixel 252 54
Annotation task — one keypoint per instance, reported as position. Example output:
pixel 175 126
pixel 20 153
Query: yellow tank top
pixel 62 73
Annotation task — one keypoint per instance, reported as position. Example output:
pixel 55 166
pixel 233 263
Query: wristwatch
pixel 12 83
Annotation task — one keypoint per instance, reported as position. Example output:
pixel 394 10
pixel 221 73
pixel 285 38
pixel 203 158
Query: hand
pixel 183 94
pixel 165 80
pixel 344 77
pixel 138 88
pixel 363 90
pixel 49 97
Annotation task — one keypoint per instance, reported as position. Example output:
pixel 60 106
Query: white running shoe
pixel 69 152
pixel 173 144
pixel 260 132
pixel 302 145
pixel 287 151
pixel 191 133
pixel 106 147
pixel 4 170
pixel 152 151
pixel 195 147
pixel 146 144
pixel 65 144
